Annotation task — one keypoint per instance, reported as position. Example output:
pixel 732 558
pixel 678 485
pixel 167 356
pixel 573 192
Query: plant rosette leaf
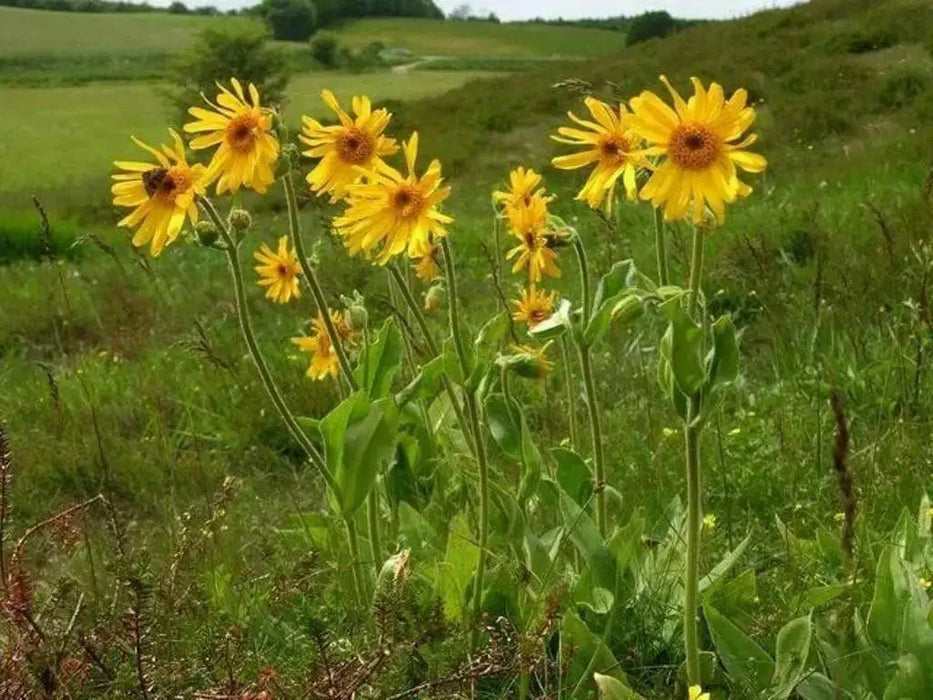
pixel 381 360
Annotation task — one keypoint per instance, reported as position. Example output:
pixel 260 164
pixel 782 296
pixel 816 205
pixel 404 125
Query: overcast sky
pixel 526 9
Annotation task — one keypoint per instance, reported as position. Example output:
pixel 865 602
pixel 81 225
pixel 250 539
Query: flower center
pixel 694 146
pixel 282 270
pixel 538 315
pixel 167 184
pixel 614 149
pixel 531 240
pixel 242 131
pixel 408 201
pixel 355 146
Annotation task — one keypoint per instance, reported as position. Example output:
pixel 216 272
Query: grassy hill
pixel 25 33
pixel 826 268
pixel 446 38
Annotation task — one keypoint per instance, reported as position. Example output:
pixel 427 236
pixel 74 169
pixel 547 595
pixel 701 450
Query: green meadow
pixel 217 566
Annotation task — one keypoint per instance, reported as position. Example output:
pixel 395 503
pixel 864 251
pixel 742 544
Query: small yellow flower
pixel 839 517
pixel 161 193
pixel 324 361
pixel 533 251
pixel 394 213
pixel 698 142
pixel 925 584
pixel 695 692
pixel 524 187
pixel 534 306
pixel 669 432
pixel 345 147
pixel 709 521
pixel 610 144
pixel 426 267
pixel 279 272
pixel 242 130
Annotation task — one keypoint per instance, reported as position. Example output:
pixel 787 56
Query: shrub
pixel 650 25
pixel 290 20
pixel 218 55
pixel 325 49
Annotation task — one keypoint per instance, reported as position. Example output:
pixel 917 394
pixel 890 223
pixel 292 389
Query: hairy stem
pixel 694 495
pixel 316 291
pixel 589 387
pixel 660 247
pixel 473 413
pixel 246 327
pixel 571 403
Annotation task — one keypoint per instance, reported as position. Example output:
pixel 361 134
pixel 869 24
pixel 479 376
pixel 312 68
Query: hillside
pixel 451 38
pixel 25 33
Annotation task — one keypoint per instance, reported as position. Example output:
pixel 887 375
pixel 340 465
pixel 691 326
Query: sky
pixel 569 9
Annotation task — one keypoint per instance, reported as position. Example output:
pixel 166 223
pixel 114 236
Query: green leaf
pixel 681 345
pixel 908 682
pixel 816 686
pixel 456 571
pixel 616 280
pixel 613 689
pixel 416 532
pixel 817 596
pixel 504 424
pixel 381 361
pixel 573 475
pixel 587 647
pixel 492 332
pixel 425 385
pixel 555 326
pixel 722 361
pixel 622 309
pixel 724 565
pixel 736 598
pixel 793 648
pixel 359 437
pixel 747 663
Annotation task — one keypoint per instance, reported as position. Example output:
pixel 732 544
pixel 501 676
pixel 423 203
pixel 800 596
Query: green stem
pixel 599 485
pixel 356 565
pixel 473 413
pixel 373 522
pixel 316 291
pixel 433 348
pixel 247 328
pixel 589 387
pixel 694 496
pixel 571 403
pixel 584 276
pixel 661 247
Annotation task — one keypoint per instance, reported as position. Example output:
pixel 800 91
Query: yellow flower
pixel 534 306
pixel 162 193
pixel 699 144
pixel 532 250
pixel 347 146
pixel 279 272
pixel 426 268
pixel 524 187
pixel 610 144
pixel 394 212
pixel 248 150
pixel 695 692
pixel 324 361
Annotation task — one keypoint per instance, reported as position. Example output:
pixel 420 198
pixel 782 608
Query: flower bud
pixel 207 233
pixel 435 297
pixel 627 309
pixel 240 220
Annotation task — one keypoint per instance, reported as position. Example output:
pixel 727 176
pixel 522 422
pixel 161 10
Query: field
pixel 220 563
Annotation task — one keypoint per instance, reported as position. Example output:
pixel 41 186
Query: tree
pixel 178 8
pixel 217 55
pixel 650 25
pixel 290 20
pixel 324 49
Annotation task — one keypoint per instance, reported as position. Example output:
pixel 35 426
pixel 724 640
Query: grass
pixel 826 269
pixel 31 33
pixel 63 139
pixel 428 37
